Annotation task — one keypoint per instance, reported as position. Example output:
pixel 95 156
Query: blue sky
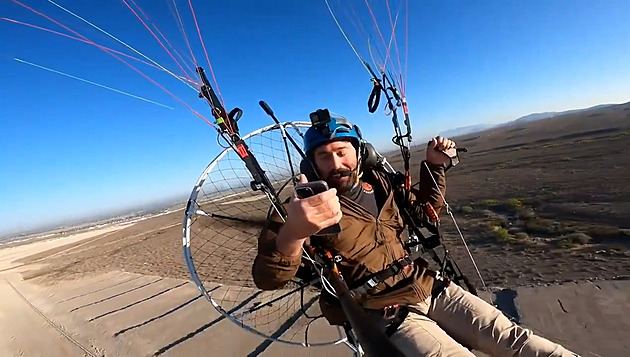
pixel 69 149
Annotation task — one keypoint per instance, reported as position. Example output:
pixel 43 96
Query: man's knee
pixel 421 336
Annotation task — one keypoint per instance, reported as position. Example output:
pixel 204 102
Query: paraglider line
pixel 93 83
pixel 216 85
pixel 153 34
pixel 120 59
pixel 378 29
pixel 185 61
pixel 116 39
pixel 89 43
pixel 180 24
pixel 346 37
pixel 404 86
pixel 393 37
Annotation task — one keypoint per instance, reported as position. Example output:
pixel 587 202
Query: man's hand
pixel 436 149
pixel 306 217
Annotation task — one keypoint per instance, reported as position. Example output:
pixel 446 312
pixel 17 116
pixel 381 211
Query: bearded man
pixel 423 313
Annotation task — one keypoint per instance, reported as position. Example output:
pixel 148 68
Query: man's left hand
pixel 435 150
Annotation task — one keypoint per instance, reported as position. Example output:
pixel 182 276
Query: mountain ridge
pixel 477 128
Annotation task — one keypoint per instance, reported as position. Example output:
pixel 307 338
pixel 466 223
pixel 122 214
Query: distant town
pixel 127 216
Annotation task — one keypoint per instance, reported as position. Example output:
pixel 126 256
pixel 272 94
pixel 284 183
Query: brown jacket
pixel 366 244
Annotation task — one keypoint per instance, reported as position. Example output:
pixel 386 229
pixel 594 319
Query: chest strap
pixel 392 270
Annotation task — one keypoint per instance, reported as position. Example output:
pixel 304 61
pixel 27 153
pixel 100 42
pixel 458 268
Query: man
pixel 437 317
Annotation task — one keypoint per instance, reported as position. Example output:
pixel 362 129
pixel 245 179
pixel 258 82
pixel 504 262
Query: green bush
pixel 501 234
pixel 514 203
pixel 547 227
pixel 490 202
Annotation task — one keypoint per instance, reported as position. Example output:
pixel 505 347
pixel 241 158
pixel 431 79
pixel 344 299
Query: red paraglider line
pixel 180 25
pixel 155 37
pixel 393 25
pixel 377 27
pixel 192 11
pixel 118 58
pixel 184 61
pixel 90 43
pixel 357 24
pixel 155 27
pixel 404 86
pixel 80 40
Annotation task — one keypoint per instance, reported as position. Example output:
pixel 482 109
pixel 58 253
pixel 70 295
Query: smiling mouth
pixel 341 175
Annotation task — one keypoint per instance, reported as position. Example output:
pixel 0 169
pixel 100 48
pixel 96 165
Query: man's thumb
pixel 302 178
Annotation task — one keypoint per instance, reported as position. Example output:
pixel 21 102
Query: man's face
pixel 335 159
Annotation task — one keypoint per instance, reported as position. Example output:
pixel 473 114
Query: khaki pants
pixel 433 328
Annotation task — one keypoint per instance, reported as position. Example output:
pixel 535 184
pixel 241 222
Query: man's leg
pixel 481 326
pixel 418 335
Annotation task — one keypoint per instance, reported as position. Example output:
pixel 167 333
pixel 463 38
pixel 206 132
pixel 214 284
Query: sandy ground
pixel 115 313
pixel 109 312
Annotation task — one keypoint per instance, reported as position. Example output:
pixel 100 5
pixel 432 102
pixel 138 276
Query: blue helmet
pixel 326 129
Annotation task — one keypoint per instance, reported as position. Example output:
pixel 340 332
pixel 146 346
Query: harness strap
pixel 397 320
pixel 392 270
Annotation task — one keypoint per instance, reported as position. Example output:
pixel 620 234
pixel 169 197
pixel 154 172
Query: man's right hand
pixel 306 217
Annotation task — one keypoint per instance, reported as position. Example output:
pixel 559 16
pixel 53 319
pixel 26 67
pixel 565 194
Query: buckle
pixel 402 264
pixel 389 312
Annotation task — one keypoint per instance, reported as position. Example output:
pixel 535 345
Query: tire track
pixel 59 329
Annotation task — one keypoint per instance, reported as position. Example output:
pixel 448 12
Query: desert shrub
pixel 578 238
pixel 521 235
pixel 467 210
pixel 501 234
pixel 514 203
pixel 499 221
pixel 539 225
pixel 526 213
pixel 572 240
pixel 546 227
pixel 490 202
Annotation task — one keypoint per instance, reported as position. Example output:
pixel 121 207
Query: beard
pixel 342 179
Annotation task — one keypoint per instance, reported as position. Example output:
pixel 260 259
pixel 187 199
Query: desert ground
pixel 544 208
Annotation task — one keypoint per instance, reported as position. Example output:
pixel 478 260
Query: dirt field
pixel 545 201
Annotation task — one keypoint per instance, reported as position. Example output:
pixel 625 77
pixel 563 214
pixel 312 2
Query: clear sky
pixel 69 149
